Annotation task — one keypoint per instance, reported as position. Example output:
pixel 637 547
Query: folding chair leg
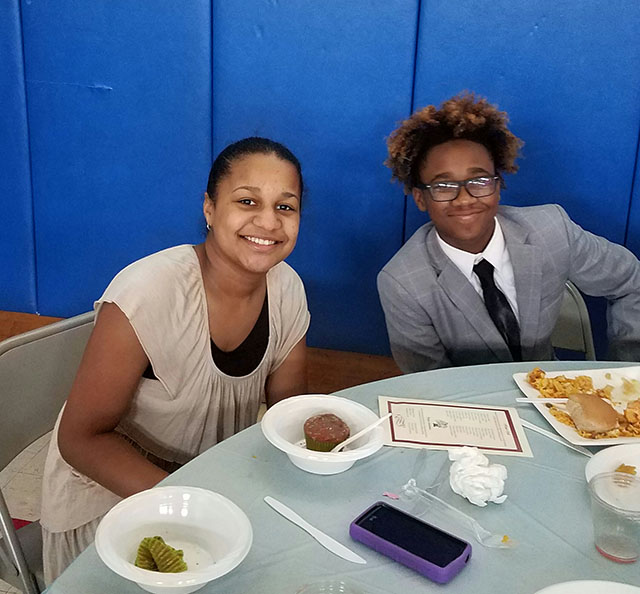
pixel 17 562
pixel 4 558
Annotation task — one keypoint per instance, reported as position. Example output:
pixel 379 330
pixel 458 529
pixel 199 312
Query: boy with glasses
pixel 483 283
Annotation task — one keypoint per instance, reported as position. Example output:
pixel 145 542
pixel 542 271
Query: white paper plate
pixel 590 587
pixel 609 459
pixel 601 378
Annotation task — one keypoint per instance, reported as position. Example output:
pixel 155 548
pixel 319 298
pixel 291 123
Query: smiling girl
pixel 186 345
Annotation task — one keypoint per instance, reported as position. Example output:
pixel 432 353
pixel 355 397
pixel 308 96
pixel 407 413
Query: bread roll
pixel 592 413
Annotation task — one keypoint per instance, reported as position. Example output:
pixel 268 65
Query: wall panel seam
pixel 30 162
pixel 403 238
pixel 415 57
pixel 634 180
pixel 211 40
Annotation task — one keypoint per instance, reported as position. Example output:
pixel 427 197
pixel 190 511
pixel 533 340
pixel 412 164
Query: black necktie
pixel 499 309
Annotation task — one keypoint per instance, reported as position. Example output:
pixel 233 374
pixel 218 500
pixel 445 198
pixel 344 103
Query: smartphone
pixel 436 554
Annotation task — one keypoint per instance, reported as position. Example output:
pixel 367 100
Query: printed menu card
pixel 438 425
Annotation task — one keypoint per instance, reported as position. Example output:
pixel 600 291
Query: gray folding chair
pixel 573 328
pixel 37 369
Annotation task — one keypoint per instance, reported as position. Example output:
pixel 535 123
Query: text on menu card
pixel 443 425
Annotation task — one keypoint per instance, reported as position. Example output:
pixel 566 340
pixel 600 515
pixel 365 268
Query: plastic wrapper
pixel 431 498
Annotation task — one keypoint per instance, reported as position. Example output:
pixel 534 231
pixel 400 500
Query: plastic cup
pixel 615 509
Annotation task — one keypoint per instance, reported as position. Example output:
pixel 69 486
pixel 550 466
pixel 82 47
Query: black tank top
pixel 246 357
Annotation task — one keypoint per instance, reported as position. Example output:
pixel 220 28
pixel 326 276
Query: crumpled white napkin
pixel 473 477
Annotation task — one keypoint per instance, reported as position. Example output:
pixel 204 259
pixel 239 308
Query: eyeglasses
pixel 478 187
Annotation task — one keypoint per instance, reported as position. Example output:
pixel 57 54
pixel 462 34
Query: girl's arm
pixel 107 378
pixel 290 379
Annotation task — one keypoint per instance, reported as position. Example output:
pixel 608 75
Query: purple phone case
pixel 434 572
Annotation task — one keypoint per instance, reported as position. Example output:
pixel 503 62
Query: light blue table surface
pixel 547 509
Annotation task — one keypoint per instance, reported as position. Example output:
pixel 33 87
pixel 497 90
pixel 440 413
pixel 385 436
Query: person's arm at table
pixel 415 344
pixel 600 267
pixel 107 378
pixel 290 378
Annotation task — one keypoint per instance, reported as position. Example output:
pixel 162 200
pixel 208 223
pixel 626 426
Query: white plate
pixel 590 587
pixel 600 378
pixel 609 459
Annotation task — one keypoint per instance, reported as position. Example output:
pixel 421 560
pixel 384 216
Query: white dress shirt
pixel 497 255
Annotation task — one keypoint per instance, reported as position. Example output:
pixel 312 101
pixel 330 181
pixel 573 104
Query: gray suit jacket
pixel 435 318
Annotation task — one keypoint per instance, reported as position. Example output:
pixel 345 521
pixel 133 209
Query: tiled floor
pixel 7 589
pixel 21 480
pixel 21 484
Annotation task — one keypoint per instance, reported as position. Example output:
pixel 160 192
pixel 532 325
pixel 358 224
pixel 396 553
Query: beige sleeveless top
pixel 192 405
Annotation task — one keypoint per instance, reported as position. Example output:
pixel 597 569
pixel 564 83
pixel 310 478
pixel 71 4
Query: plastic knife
pixel 324 539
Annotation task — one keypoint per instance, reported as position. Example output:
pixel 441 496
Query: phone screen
pixel 412 534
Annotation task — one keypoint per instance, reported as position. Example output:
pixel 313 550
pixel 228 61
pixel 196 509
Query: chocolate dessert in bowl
pixel 321 422
pixel 324 432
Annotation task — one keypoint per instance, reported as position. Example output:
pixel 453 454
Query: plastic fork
pixel 360 433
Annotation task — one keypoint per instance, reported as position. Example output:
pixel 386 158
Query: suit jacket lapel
pixel 526 261
pixel 465 297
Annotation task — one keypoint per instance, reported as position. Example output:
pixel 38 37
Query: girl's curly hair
pixel 461 117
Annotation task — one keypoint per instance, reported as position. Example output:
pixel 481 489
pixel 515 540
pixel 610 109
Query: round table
pixel 547 510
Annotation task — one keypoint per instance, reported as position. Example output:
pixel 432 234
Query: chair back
pixel 573 328
pixel 37 369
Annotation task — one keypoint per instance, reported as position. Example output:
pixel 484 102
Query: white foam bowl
pixel 283 423
pixel 214 533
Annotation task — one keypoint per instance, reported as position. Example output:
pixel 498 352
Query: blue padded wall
pixel 557 70
pixel 112 111
pixel 17 266
pixel 570 81
pixel 120 122
pixel 328 79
